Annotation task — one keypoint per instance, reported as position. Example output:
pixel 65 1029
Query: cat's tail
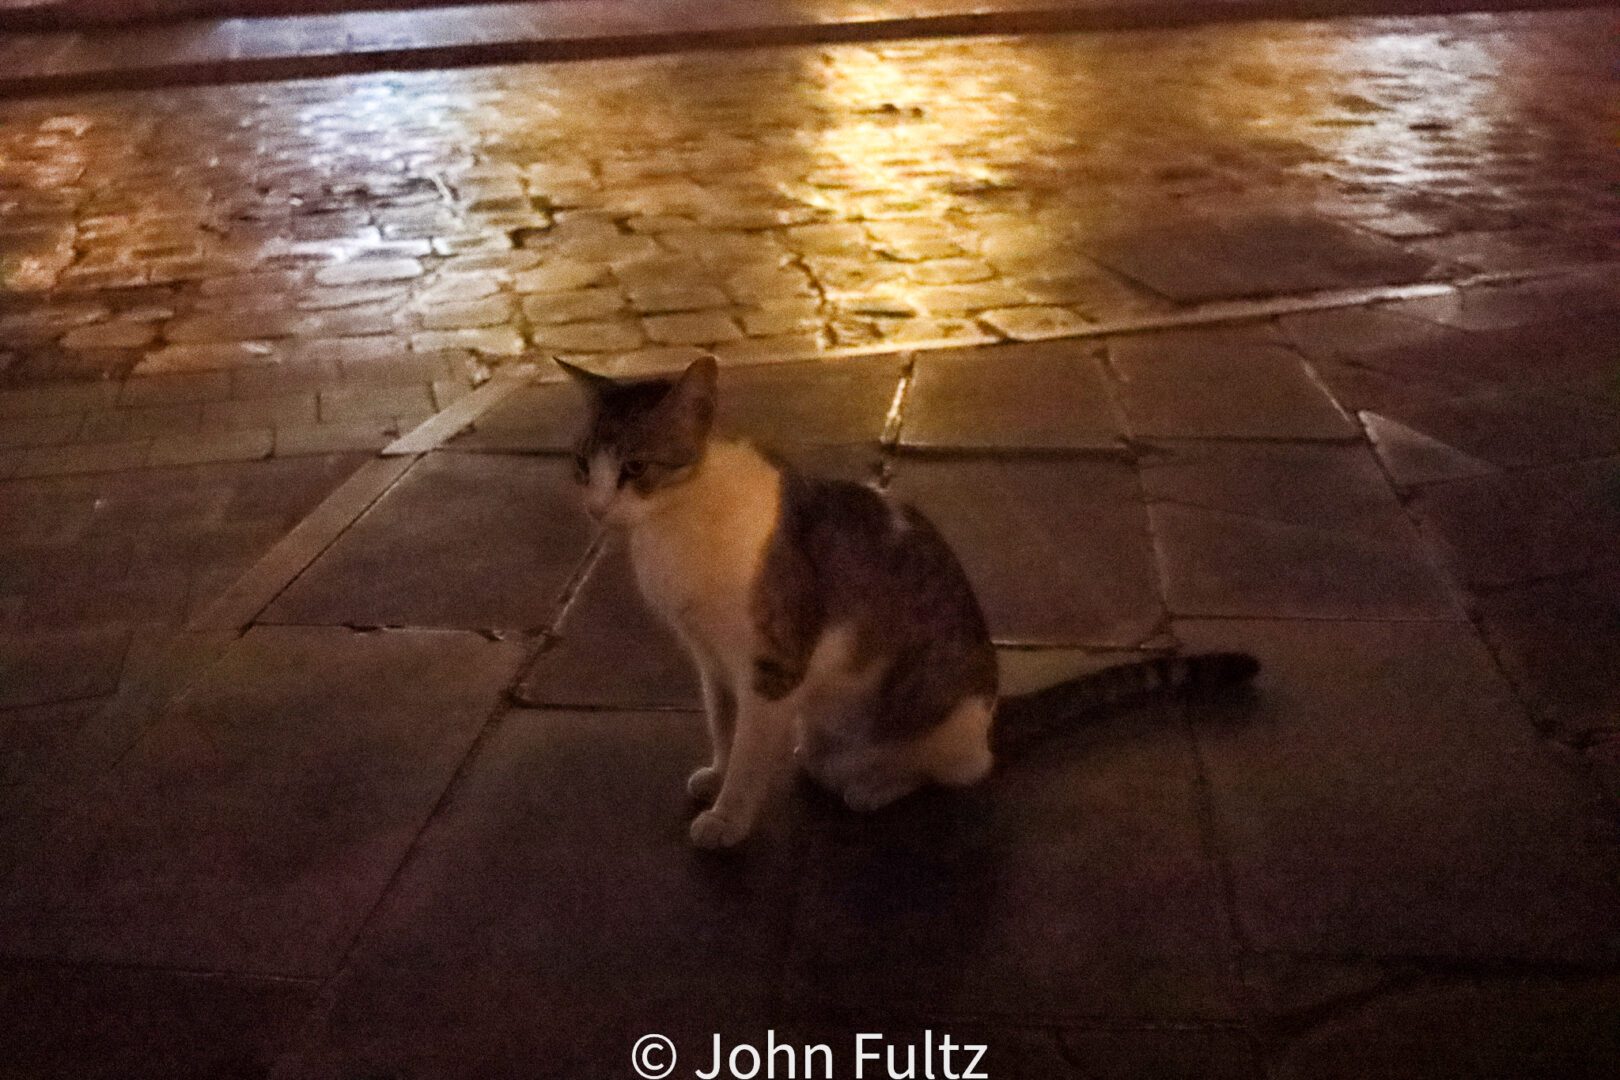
pixel 1024 719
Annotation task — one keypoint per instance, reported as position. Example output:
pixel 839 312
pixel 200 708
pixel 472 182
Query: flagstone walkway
pixel 327 753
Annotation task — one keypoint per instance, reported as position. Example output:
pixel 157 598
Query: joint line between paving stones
pixel 1433 553
pixel 1404 974
pixel 447 423
pixel 1470 613
pixel 113 730
pixel 1455 965
pixel 1520 470
pixel 242 603
pixel 325 997
pixel 29 963
pixel 576 581
pixel 895 417
pixel 1209 837
pixel 203 640
pixel 1315 376
pixel 253 592
pixel 1225 312
pixel 1162 625
pixel 1249 616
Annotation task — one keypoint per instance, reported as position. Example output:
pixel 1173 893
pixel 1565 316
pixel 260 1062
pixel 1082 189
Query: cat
pixel 828 622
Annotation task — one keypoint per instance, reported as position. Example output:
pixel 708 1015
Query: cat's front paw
pixel 712 832
pixel 704 784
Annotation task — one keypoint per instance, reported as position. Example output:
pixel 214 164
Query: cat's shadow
pixel 924 888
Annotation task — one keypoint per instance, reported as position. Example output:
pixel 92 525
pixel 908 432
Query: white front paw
pixel 712 832
pixel 704 784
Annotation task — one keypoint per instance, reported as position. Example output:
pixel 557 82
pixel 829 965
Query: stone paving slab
pixel 96 565
pixel 1559 640
pixel 832 403
pixel 32 737
pixel 1569 343
pixel 1051 396
pixel 1589 294
pixel 1083 536
pixel 1412 458
pixel 504 910
pixel 257 822
pixel 245 598
pixel 555 912
pixel 1154 1054
pixel 1286 531
pixel 108 1023
pixel 1499 1027
pixel 61 665
pixel 458 406
pixel 1466 387
pixel 72 759
pixel 483 542
pixel 1383 795
pixel 612 650
pixel 1514 429
pixel 543 418
pixel 1290 991
pixel 1237 383
pixel 1261 254
pixel 1523 526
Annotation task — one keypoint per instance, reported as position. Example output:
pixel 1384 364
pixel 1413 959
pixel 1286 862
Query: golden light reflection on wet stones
pixel 895 192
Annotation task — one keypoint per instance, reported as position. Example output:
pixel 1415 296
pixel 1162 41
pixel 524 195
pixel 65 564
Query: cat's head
pixel 644 438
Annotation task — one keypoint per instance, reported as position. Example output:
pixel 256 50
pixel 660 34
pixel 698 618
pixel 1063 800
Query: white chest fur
pixel 698 555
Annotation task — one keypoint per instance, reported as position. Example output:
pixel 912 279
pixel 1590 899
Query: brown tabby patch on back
pixel 843 555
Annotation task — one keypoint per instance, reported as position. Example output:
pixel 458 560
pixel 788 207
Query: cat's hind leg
pixel 883 783
pixel 957 752
pixel 864 776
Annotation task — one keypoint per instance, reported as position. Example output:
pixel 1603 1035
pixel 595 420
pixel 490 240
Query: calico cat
pixel 827 621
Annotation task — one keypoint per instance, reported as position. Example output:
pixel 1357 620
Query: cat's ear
pixel 690 402
pixel 593 384
pixel 699 379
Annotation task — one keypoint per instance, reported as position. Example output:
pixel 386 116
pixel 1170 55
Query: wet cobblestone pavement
pixel 812 198
pixel 318 763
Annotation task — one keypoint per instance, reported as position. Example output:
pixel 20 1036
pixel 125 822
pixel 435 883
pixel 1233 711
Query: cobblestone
pixel 231 444
pixel 693 328
pixel 489 340
pixel 608 336
pixel 215 357
pixel 1019 186
pixel 112 335
pixel 467 315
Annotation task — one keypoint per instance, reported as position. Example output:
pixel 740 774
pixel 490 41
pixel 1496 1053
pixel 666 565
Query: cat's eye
pixel 631 470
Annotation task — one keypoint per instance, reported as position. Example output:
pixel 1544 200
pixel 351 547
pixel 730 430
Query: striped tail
pixel 1024 719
